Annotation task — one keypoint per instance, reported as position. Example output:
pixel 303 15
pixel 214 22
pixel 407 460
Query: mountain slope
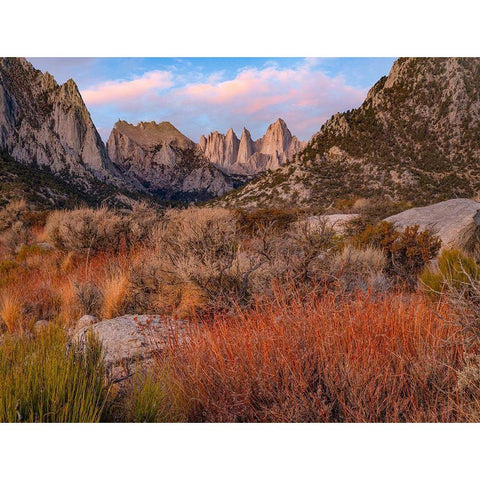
pixel 246 157
pixel 416 138
pixel 165 162
pixel 48 125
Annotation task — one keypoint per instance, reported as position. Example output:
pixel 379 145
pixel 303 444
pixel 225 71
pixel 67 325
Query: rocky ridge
pixel 247 157
pixel 414 139
pixel 165 162
pixel 47 125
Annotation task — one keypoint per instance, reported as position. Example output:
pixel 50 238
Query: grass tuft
pixel 45 379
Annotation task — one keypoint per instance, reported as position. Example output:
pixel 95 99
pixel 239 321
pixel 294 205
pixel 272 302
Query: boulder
pixel 131 341
pixel 456 222
pixel 85 321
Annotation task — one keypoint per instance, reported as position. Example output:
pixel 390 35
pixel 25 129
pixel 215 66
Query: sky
pixel 200 95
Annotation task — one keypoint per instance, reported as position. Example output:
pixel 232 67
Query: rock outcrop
pixel 456 222
pixel 131 341
pixel 248 157
pixel 164 161
pixel 47 125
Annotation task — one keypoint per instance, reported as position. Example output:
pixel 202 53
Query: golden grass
pixel 11 311
pixel 115 291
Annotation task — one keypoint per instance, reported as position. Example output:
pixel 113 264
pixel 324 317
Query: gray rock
pixel 456 222
pixel 86 321
pixel 40 325
pixel 132 340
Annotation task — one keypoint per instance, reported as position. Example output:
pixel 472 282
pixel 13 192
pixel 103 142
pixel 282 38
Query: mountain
pixel 165 162
pixel 48 125
pixel 246 157
pixel 415 138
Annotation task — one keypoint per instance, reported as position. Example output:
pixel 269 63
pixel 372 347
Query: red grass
pixel 365 359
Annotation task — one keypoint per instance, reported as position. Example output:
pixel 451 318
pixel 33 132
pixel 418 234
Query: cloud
pixel 303 95
pixel 119 91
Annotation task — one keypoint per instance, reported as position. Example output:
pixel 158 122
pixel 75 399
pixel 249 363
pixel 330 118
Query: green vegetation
pixel 455 271
pixel 45 379
pixel 151 398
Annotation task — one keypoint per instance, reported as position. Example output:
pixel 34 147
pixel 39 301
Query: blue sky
pixel 199 95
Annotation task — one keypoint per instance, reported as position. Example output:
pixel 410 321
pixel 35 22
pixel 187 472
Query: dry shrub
pixel 278 220
pixel 146 278
pixel 196 249
pixel 407 251
pixel 85 230
pixel 87 299
pixel 300 255
pixel 15 237
pixel 362 269
pixel 141 222
pixel 14 231
pixel 366 359
pixel 12 213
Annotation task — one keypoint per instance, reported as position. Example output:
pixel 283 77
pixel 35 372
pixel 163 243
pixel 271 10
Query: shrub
pixel 196 249
pixel 360 269
pixel 88 298
pixel 27 251
pixel 7 266
pixel 141 222
pixel 12 213
pixel 44 381
pixel 15 237
pixel 85 230
pixel 278 220
pixel 407 251
pixel 455 271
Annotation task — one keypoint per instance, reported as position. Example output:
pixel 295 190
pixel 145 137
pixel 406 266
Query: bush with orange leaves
pixel 407 251
pixel 329 359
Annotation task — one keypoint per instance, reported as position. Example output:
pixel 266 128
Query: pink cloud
pixel 303 96
pixel 121 90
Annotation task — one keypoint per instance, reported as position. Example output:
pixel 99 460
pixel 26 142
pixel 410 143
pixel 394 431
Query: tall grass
pixel 43 379
pixel 330 359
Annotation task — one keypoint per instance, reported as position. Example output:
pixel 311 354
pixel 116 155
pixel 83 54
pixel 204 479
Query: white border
pixel 246 28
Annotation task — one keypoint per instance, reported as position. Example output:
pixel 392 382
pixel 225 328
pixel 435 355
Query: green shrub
pixel 455 270
pixel 44 379
pixel 151 399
